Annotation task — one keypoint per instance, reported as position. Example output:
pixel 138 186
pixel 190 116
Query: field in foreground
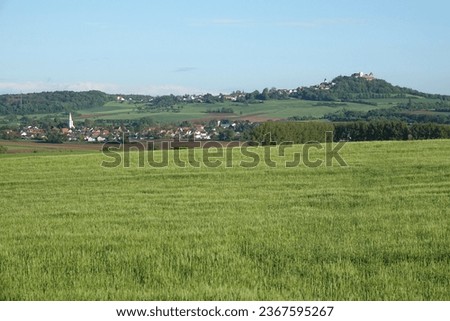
pixel 374 230
pixel 27 147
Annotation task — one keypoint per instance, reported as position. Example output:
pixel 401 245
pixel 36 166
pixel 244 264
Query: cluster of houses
pixel 184 98
pixel 31 132
pixel 325 85
pixel 117 134
pixel 92 135
pixel 197 132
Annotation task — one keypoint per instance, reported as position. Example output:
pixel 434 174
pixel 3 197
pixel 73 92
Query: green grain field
pixel 197 112
pixel 377 229
pixel 272 109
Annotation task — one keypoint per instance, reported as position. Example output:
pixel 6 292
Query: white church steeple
pixel 71 121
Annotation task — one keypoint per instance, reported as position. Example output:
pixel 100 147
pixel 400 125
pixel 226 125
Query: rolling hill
pixel 343 93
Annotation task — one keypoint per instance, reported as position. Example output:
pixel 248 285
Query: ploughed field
pixel 377 229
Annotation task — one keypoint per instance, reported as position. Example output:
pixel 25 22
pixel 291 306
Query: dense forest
pixel 389 130
pixel 303 132
pixel 348 88
pixel 411 112
pixel 351 89
pixel 51 102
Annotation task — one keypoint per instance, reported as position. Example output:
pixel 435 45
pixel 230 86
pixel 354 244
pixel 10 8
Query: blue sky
pixel 160 47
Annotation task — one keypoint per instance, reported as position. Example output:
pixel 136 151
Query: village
pixel 213 130
pixel 88 131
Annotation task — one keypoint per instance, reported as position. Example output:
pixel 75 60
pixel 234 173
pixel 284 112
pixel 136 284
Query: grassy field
pixel 269 110
pixel 272 109
pixel 26 147
pixel 377 229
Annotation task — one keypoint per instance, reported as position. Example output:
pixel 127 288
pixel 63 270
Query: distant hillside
pixel 52 102
pixel 357 88
pixel 350 88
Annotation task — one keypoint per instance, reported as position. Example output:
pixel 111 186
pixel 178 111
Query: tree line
pixel 51 102
pixel 303 132
pixel 295 132
pixel 410 113
pixel 389 130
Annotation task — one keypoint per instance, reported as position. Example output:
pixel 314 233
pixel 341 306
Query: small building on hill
pixel 363 75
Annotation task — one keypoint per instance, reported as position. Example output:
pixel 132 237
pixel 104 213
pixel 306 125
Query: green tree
pixel 227 134
pixel 185 123
pixel 147 121
pixel 55 137
pixel 265 94
pixel 89 123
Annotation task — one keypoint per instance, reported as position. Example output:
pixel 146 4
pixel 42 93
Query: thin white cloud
pixel 306 24
pixel 25 87
pixel 185 69
pixel 231 22
pixel 319 23
pixel 155 90
pixel 85 86
pixel 38 86
pixel 223 22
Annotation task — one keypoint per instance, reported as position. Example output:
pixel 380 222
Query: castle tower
pixel 71 121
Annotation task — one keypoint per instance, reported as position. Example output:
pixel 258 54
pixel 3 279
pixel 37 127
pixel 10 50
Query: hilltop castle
pixel 363 75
